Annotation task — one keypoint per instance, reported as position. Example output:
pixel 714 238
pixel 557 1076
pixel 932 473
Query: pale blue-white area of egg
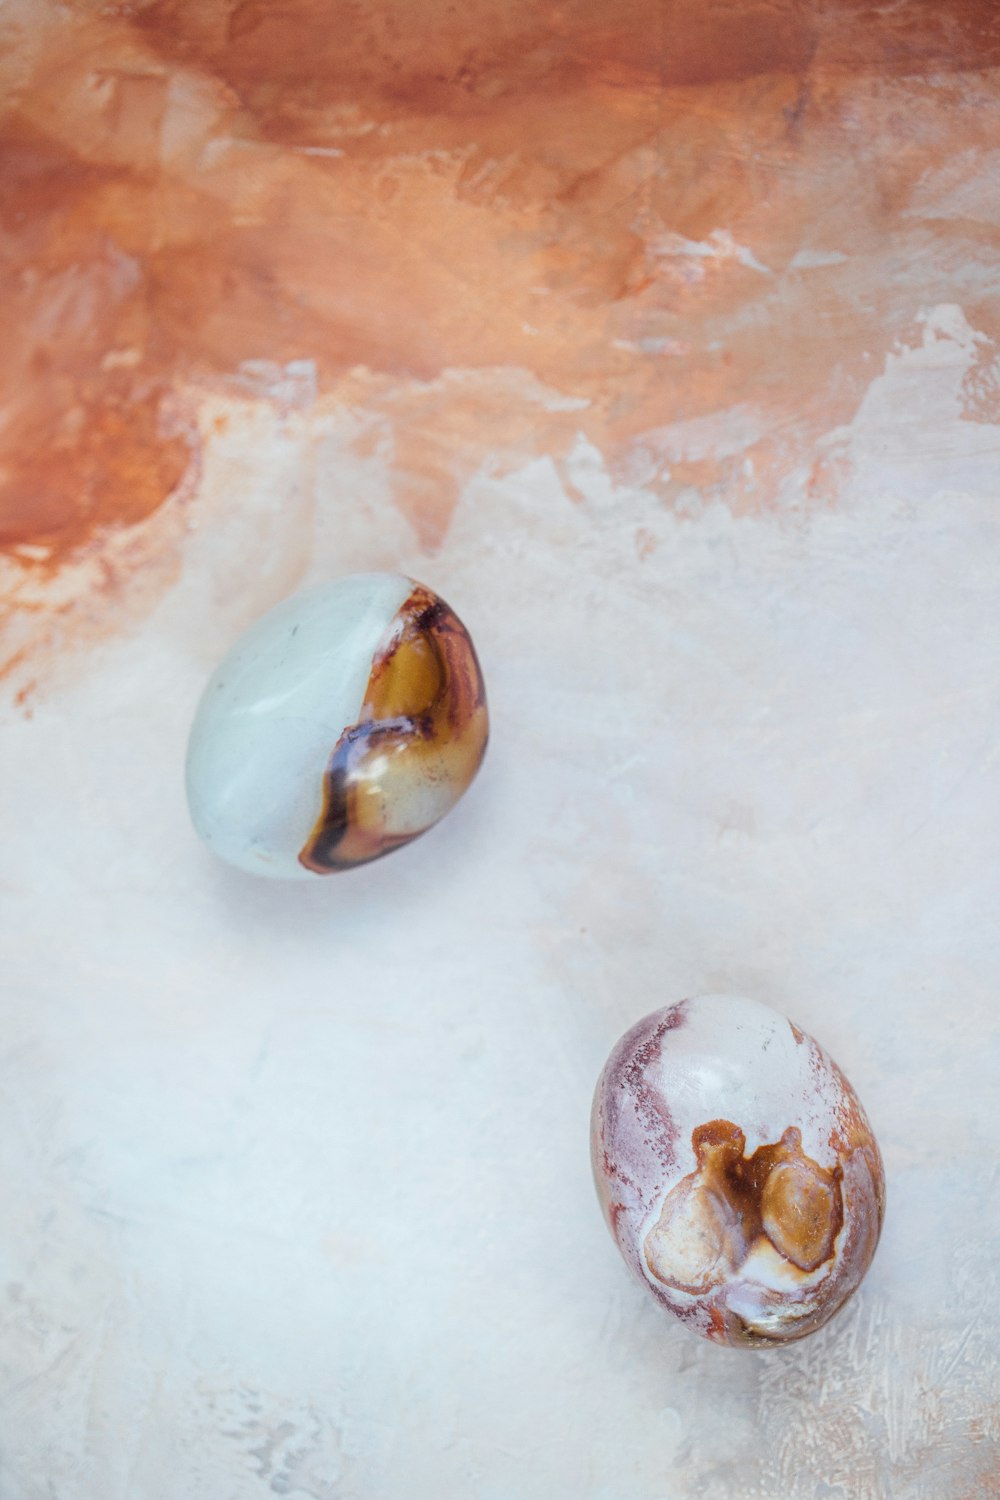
pixel 272 713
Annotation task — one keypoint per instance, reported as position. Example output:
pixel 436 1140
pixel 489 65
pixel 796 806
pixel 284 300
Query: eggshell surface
pixel 736 1169
pixel 344 723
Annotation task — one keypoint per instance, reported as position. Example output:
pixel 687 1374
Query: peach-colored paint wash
pixel 662 341
pixel 684 233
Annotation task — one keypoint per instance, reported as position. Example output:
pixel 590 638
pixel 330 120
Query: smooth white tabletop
pixel 297 1176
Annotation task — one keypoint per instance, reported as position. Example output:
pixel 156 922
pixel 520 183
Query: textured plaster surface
pixel 295 1179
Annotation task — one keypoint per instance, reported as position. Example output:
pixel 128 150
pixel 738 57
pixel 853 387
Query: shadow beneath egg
pixel 389 893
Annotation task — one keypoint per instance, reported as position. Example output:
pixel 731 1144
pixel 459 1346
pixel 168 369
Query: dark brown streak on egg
pixel 423 723
pixel 355 746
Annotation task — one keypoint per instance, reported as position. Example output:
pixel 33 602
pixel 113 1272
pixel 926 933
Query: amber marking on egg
pixel 714 1218
pixel 423 726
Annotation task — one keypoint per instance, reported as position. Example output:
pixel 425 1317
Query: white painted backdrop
pixel 295 1180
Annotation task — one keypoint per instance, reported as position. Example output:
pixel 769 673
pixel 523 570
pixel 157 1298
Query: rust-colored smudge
pixel 712 1219
pixel 96 458
pixel 655 214
pixel 86 441
pixel 416 747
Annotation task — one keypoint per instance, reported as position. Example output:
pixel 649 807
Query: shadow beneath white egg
pixel 413 884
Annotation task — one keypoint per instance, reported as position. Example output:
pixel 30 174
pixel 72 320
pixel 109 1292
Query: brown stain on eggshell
pixel 494 230
pixel 416 747
pixel 731 1201
pixel 752 1249
pixel 820 1226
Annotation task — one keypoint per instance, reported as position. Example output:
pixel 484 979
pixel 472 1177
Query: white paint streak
pixel 814 260
pixel 720 245
pixel 296 1179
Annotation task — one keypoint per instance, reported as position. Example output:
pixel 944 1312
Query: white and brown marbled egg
pixel 737 1170
pixel 343 724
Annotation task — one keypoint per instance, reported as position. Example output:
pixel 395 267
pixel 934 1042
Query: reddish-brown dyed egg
pixel 737 1170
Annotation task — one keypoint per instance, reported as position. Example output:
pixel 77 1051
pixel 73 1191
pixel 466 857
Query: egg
pixel 737 1170
pixel 343 724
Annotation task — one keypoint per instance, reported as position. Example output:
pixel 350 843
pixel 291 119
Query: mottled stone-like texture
pixel 737 1170
pixel 661 340
pixel 344 724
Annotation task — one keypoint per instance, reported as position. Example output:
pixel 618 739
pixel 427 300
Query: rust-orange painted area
pixel 655 212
